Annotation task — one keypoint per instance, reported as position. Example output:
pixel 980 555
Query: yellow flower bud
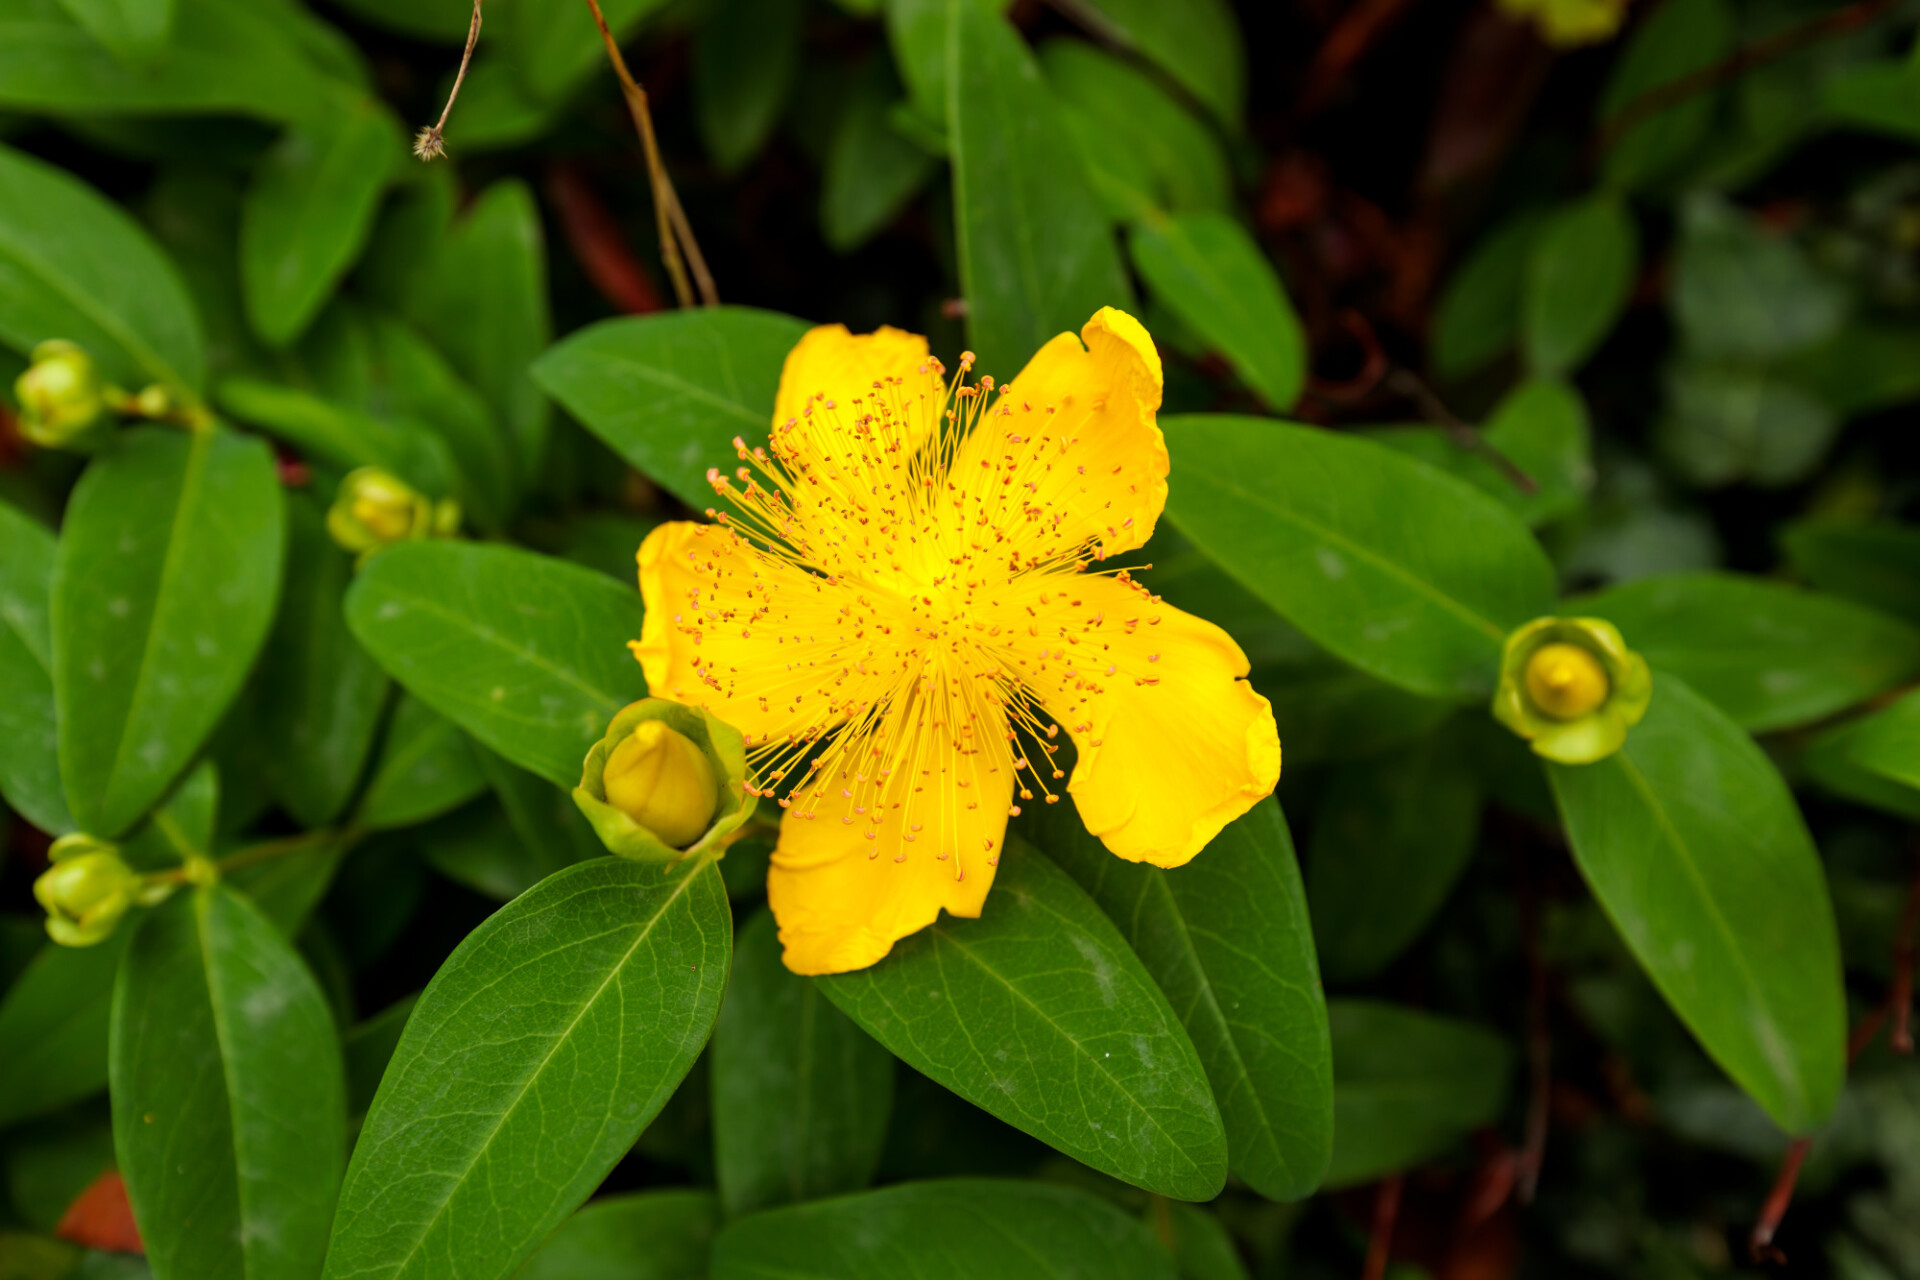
pixel 62 399
pixel 1565 681
pixel 375 509
pixel 86 891
pixel 665 783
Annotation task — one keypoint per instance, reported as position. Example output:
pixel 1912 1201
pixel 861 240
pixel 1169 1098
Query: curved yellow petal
pixel 1071 452
pixel 759 643
pixel 1173 742
pixel 844 888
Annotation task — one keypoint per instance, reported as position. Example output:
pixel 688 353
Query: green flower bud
pixel 63 402
pixel 666 781
pixel 1572 688
pixel 86 890
pixel 375 509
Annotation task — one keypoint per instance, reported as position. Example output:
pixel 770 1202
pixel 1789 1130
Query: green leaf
pixel 1767 654
pixel 286 889
pixel 1202 1247
pixel 1407 1086
pixel 29 768
pixel 956 1229
pixel 1877 565
pixel 547 823
pixel 547 1041
pixel 745 56
pixel 308 212
pixel 1579 276
pixel 411 382
pixel 645 1235
pixel 1036 256
pixel 1828 761
pixel 1721 425
pixel 871 171
pixel 164 586
pixel 1478 315
pixel 1227 939
pixel 228 1094
pixel 553 44
pixel 1405 572
pixel 526 653
pixel 320 693
pixel 800 1094
pixel 1333 712
pixel 1197 43
pixel 1888 742
pixel 223 57
pixel 369 1047
pixel 1676 40
pixel 425 768
pixel 1742 292
pixel 132 30
pixel 1206 269
pixel 73 266
pixel 1390 838
pixel 670 392
pixel 53 1028
pixel 1040 1014
pixel 1142 147
pixel 330 432
pixel 1540 427
pixel 483 300
pixel 1864 367
pixel 1692 843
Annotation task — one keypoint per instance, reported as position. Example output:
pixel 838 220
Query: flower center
pixel 1565 681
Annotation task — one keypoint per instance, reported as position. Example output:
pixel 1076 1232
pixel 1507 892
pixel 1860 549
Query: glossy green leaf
pixel 164 586
pixel 1877 565
pixel 483 302
pixel 1723 425
pixel 1888 742
pixel 1477 317
pixel 1863 367
pixel 308 211
pixel 526 653
pixel 645 1235
pixel 800 1094
pixel 132 30
pixel 477 847
pixel 73 266
pixel 1828 761
pixel 1742 292
pixel 411 382
pixel 29 768
pixel 53 1028
pixel 1407 1086
pixel 552 44
pixel 1405 572
pixel 871 170
pixel 957 1229
pixel 1541 427
pixel 288 887
pixel 228 1094
pixel 545 820
pixel 330 432
pixel 1332 712
pixel 1142 147
pixel 1692 843
pixel 1197 43
pixel 547 1041
pixel 1227 939
pixel 1036 255
pixel 1676 40
pixel 1390 837
pixel 745 57
pixel 320 693
pixel 1578 278
pixel 1767 654
pixel 425 768
pixel 670 392
pixel 1039 1013
pixel 223 56
pixel 369 1047
pixel 1202 1247
pixel 1207 270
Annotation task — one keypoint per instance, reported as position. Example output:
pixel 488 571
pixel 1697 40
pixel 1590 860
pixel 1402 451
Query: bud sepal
pixel 1571 688
pixel 702 763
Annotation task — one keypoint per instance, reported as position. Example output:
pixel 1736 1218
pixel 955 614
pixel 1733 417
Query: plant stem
pixel 429 144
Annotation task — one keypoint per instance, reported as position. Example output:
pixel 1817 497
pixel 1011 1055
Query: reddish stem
pixel 1760 1243
pixel 1386 1209
pixel 597 244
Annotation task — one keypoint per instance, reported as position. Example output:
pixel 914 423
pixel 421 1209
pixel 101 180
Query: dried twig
pixel 1411 385
pixel 678 249
pixel 430 144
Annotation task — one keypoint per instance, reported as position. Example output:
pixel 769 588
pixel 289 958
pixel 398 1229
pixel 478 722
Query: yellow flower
pixel 1566 24
pixel 900 619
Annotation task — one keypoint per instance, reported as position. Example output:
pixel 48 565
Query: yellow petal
pixel 1072 451
pixel 1173 742
pixel 759 643
pixel 842 900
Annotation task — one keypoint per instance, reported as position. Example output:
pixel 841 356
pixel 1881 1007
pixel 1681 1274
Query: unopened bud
pixel 1571 688
pixel 86 890
pixel 376 509
pixel 667 780
pixel 63 402
pixel 663 782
